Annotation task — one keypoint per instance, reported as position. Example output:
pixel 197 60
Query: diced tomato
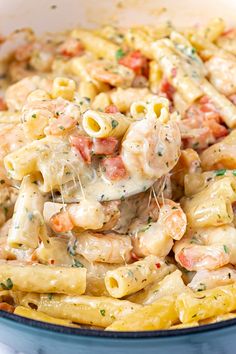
pixel 217 129
pixel 6 307
pixel 61 222
pixel 204 99
pixel 134 256
pixel 167 89
pixel 83 145
pixel 3 105
pixel 233 98
pixel 114 168
pixel 158 265
pixel 204 117
pixel 72 47
pixel 174 72
pixel 111 109
pixel 105 146
pixel 231 32
pixel 135 61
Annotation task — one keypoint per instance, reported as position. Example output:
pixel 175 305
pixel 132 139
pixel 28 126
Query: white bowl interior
pixel 56 15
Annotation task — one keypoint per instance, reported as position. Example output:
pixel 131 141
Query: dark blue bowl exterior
pixel 32 337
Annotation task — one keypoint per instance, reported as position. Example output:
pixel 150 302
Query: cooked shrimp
pixel 208 248
pixel 16 94
pixel 150 148
pixel 157 227
pixel 108 248
pixel 222 74
pixel 88 214
pixel 110 73
pixel 202 125
pixel 50 117
pixel 209 279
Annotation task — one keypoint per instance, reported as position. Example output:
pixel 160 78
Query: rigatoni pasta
pixel 118 177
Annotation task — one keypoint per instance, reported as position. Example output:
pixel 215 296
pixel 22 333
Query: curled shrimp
pixel 16 94
pixel 88 214
pixel 51 117
pixel 108 248
pixel 208 248
pixel 108 72
pixel 150 148
pixel 209 279
pixel 222 73
pixel 154 232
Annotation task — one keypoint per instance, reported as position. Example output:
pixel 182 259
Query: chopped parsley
pixel 202 287
pixel 8 285
pixel 120 54
pixel 130 273
pixel 77 264
pixel 30 216
pixel 34 115
pixel 234 172
pixel 220 172
pixel 226 249
pixel 72 249
pixel 114 123
pixel 103 312
pixel 149 220
pixel 50 296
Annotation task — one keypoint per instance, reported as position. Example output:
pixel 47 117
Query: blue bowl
pixel 34 337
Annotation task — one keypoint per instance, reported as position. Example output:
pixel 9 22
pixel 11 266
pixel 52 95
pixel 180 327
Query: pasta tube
pixel 185 325
pixel 102 125
pixel 213 29
pixel 99 46
pixel 173 69
pixel 43 279
pixel 206 304
pixel 39 316
pixel 138 39
pixel 155 76
pixel 225 107
pixel 159 315
pixel 63 87
pixel 172 284
pixel 27 223
pixel 47 157
pixel 131 278
pixel 123 98
pixel 98 311
pixel 220 155
pixel 211 206
pixel 87 89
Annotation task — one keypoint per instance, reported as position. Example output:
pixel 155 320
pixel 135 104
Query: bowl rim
pixel 81 332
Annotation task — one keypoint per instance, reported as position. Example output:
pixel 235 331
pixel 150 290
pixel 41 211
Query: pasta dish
pixel 118 176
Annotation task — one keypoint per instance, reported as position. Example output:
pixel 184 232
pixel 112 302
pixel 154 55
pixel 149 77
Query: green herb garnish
pixel 103 312
pixel 226 249
pixel 8 285
pixel 120 54
pixel 114 123
pixel 77 264
pixel 220 172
